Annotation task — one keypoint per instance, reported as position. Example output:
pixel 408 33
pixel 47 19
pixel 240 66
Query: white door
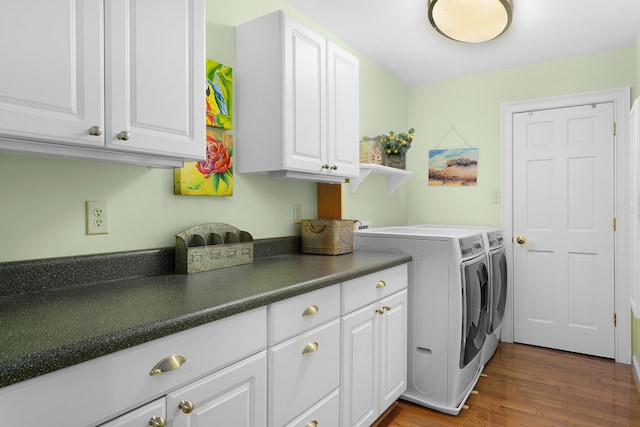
pixel 51 81
pixel 563 210
pixel 155 64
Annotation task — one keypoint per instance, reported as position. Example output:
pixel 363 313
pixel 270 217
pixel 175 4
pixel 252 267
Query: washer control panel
pixel 471 246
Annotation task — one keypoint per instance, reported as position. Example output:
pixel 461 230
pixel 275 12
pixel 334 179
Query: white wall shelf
pixel 395 176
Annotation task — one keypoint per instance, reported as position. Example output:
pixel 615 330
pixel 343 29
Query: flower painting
pixel 219 95
pixel 212 176
pixel 454 167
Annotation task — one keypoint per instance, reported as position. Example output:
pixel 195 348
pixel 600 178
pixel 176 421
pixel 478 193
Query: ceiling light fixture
pixel 470 21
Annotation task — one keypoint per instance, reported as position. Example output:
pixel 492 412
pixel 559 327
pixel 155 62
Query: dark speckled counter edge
pixel 40 363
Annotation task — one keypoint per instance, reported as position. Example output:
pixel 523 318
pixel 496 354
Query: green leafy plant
pixel 397 144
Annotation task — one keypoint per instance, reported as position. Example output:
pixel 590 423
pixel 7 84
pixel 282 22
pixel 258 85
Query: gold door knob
pixel 379 311
pixel 310 348
pixel 381 284
pixel 334 167
pixel 521 240
pixel 167 364
pixel 313 423
pixel 95 131
pixel 325 166
pixel 157 422
pixel 123 136
pixel 387 307
pixel 312 310
pixel 186 406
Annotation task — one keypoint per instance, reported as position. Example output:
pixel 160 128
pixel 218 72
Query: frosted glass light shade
pixel 470 21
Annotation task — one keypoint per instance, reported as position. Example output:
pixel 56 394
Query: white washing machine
pixel 496 256
pixel 448 309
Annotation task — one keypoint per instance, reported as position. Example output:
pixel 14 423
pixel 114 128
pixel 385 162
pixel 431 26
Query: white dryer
pixel 448 309
pixel 496 254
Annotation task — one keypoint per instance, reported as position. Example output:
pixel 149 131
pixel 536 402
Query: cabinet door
pixel 151 414
pixel 51 87
pixel 235 396
pixel 359 386
pixel 393 349
pixel 155 77
pixel 305 121
pixel 343 99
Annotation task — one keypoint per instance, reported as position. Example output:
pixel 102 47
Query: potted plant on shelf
pixel 395 147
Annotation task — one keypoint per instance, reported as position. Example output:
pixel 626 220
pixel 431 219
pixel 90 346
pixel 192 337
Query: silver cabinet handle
pixel 123 136
pixel 95 131
pixel 167 364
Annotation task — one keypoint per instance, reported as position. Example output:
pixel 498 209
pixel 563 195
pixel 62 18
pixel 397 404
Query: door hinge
pixel 615 320
pixel 615 128
pixel 615 224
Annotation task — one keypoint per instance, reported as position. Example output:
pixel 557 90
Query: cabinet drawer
pixel 298 380
pixel 324 413
pixel 115 383
pixel 298 314
pixel 364 290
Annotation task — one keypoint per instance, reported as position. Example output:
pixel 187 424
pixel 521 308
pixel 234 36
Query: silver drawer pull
pixel 381 284
pixel 167 364
pixel 312 310
pixel 313 423
pixel 310 348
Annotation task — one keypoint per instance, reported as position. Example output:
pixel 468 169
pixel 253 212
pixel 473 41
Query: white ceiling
pixel 396 34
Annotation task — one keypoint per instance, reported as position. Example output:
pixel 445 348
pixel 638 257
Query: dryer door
pixel 475 308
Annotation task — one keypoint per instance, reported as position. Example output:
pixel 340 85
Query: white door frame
pixel 621 99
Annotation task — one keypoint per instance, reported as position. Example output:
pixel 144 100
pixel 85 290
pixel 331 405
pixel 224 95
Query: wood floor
pixel 531 386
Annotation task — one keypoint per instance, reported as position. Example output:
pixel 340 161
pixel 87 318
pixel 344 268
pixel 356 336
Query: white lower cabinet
pixel 374 346
pixel 235 396
pixel 332 357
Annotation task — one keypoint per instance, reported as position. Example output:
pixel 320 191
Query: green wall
pixel 42 199
pixel 472 105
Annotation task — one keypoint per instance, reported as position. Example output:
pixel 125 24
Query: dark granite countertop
pixel 51 329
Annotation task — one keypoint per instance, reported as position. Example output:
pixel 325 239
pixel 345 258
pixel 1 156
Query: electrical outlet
pixel 297 213
pixel 97 217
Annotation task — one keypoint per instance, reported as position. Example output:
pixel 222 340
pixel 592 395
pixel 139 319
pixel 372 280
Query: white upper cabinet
pixel 117 80
pixel 297 102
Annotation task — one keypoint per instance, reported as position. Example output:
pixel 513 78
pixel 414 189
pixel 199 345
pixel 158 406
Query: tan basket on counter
pixel 327 236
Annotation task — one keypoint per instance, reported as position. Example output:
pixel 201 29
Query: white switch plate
pixel 496 197
pixel 97 217
pixel 297 213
